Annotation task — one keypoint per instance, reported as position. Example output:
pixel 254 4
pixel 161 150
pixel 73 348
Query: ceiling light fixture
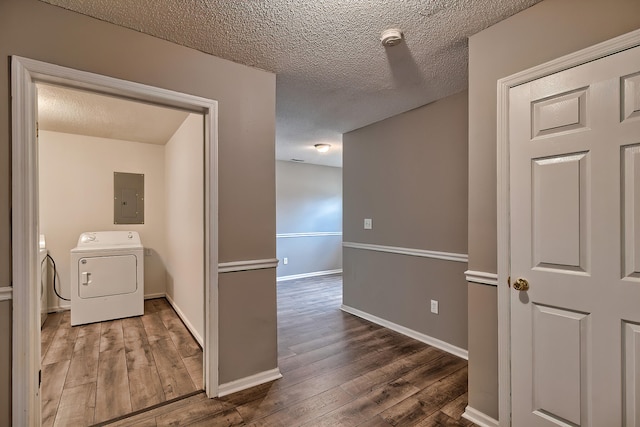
pixel 322 148
pixel 391 37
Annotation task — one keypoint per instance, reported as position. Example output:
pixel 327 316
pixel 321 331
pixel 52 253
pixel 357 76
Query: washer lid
pixel 112 240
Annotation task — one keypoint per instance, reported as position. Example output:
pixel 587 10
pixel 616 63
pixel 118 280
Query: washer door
pixel 107 275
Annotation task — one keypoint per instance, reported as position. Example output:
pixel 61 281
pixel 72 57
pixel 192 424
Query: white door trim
pixel 25 73
pixel 610 47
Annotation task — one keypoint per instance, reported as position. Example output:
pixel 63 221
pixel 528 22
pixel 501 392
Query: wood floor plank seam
pixel 338 370
pixel 114 343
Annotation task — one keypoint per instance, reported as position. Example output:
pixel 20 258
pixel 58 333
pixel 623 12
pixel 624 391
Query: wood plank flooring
pixel 338 370
pixel 97 372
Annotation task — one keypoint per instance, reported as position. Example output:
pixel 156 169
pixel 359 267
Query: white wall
pixel 184 231
pixel 76 195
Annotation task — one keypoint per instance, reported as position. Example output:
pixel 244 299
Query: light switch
pixel 368 224
pixel 434 306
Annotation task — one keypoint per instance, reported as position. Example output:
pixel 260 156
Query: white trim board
pixel 252 264
pixel 481 277
pixel 186 321
pixel 248 382
pixel 610 47
pixel 305 275
pixel 434 342
pixel 309 234
pixel 25 73
pixel 6 293
pixel 479 418
pixel 448 256
pixel 156 295
pixel 58 308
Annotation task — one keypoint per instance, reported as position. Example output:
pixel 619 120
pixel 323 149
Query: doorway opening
pixel 26 76
pixel 87 145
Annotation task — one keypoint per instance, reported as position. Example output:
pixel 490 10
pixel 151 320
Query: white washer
pixel 44 280
pixel 107 277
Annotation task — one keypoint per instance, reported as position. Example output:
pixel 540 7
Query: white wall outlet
pixel 285 260
pixel 434 306
pixel 147 251
pixel 368 224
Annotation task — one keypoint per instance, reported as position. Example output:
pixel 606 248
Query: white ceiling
pixel 78 112
pixel 333 75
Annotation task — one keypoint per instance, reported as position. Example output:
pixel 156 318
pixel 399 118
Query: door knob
pixel 521 285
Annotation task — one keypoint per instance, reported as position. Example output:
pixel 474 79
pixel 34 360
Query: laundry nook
pixel 107 277
pixel 121 203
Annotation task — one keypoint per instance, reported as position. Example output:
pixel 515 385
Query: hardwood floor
pixel 97 372
pixel 338 370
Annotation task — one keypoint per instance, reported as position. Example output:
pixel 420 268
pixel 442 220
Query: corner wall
pixel 184 228
pixel 408 174
pixel 548 30
pixel 246 152
pixel 308 219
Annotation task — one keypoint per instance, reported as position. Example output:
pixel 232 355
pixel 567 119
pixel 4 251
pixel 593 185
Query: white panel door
pixel 107 275
pixel 575 239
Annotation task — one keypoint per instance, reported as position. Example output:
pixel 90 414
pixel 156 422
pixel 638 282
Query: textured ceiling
pixel 333 75
pixel 78 112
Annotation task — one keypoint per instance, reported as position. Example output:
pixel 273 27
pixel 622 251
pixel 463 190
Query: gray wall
pixel 546 31
pixel 408 174
pixel 247 183
pixel 308 199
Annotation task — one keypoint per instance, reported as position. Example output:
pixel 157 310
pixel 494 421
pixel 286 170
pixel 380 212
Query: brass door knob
pixel 521 285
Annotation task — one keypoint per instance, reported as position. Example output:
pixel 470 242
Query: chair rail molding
pixel 448 256
pixel 6 293
pixel 481 277
pixel 246 265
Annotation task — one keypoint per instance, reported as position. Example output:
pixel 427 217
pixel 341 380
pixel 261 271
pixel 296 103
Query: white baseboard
pixel 435 342
pixel 156 295
pixel 479 418
pixel 305 275
pixel 248 382
pixel 58 308
pixel 186 322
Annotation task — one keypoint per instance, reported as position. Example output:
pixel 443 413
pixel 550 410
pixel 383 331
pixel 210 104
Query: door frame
pixel 25 73
pixel 607 48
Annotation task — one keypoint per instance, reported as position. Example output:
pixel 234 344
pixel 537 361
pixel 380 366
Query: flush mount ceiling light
pixel 322 148
pixel 391 37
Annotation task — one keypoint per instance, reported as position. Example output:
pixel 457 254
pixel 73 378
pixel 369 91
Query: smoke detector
pixel 391 37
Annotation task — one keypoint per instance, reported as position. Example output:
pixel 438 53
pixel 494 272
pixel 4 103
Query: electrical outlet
pixel 147 251
pixel 368 224
pixel 434 306
pixel 285 260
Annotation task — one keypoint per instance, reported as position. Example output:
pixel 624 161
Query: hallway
pixel 338 370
